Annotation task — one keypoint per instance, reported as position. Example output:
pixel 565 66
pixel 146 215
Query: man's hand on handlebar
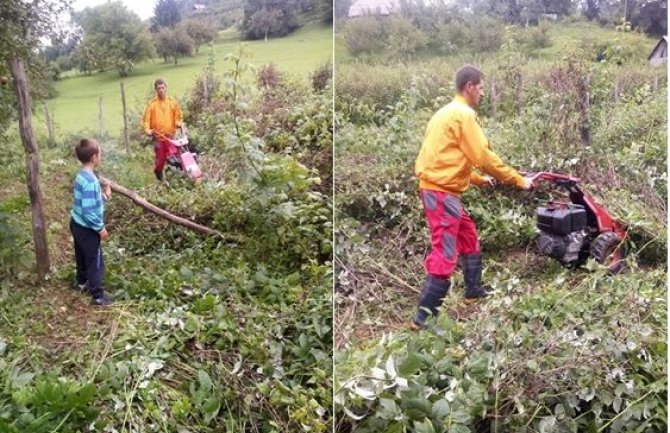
pixel 528 183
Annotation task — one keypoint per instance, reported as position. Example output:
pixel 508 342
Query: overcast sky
pixel 143 8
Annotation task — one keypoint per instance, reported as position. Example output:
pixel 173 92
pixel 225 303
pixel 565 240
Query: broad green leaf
pixel 460 417
pixel 22 380
pixel 410 365
pixel 425 426
pixel 186 273
pixel 388 409
pixel 441 409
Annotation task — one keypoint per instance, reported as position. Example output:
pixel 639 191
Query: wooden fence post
pixel 17 69
pixel 50 125
pixel 100 119
pixel 126 137
pixel 584 108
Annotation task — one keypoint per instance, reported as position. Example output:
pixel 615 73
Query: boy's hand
pixel 107 192
pixel 103 233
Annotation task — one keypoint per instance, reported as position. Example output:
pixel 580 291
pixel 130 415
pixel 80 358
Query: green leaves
pixel 409 365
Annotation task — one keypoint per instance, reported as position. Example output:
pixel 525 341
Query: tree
pixel 266 21
pixel 173 43
pixel 89 58
pixel 592 9
pixel 201 32
pixel 326 11
pixel 117 34
pixel 166 14
pixel 265 18
pixel 652 17
pixel 24 25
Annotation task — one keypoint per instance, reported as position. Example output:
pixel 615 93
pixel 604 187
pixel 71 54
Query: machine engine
pixel 563 231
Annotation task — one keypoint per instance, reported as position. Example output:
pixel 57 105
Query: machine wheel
pixel 608 250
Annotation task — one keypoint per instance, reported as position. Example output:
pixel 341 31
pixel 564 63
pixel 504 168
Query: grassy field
pixel 76 106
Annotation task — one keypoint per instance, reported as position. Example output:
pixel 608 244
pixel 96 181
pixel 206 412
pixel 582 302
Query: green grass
pixel 76 106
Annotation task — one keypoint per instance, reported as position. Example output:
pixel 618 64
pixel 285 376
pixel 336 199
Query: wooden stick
pixel 126 137
pixel 137 199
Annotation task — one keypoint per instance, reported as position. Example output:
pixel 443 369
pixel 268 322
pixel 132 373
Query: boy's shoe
pixel 103 300
pixel 83 288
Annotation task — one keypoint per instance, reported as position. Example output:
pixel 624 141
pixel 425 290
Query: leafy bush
pixel 364 36
pixel 403 39
pixel 321 77
pixel 537 37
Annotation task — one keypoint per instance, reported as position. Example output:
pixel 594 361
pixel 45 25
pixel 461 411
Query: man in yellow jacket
pixel 162 117
pixel 453 146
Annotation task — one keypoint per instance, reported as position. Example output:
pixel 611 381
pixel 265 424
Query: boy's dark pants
pixel 88 255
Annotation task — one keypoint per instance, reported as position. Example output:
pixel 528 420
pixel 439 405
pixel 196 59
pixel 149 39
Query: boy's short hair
pixel 86 149
pixel 467 74
pixel 159 81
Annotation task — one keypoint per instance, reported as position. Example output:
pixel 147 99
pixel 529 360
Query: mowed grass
pixel 75 108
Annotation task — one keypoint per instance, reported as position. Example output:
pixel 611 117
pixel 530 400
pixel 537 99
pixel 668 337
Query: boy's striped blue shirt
pixel 88 209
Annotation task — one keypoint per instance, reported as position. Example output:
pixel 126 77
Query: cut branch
pixel 137 199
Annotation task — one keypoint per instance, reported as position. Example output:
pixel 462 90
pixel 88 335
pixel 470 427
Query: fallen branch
pixel 137 199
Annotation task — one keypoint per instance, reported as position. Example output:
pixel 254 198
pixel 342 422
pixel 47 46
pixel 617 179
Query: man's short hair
pixel 159 81
pixel 467 74
pixel 85 150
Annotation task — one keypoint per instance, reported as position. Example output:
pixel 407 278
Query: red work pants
pixel 162 151
pixel 452 232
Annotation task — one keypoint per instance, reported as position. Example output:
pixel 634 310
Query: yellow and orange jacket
pixel 455 144
pixel 162 116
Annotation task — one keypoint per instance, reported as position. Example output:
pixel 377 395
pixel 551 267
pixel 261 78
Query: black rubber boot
pixel 159 175
pixel 472 276
pixel 433 293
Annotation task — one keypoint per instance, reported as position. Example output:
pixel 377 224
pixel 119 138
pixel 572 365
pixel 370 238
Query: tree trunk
pixel 17 69
pixel 50 125
pixel 137 199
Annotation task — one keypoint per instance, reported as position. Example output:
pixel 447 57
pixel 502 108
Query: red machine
pixel 573 231
pixel 180 157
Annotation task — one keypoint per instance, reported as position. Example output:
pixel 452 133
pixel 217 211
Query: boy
pixel 87 222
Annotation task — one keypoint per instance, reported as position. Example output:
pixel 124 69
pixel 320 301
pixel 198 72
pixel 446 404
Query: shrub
pixel 537 37
pixel 402 39
pixel 364 36
pixel 321 77
pixel 487 34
